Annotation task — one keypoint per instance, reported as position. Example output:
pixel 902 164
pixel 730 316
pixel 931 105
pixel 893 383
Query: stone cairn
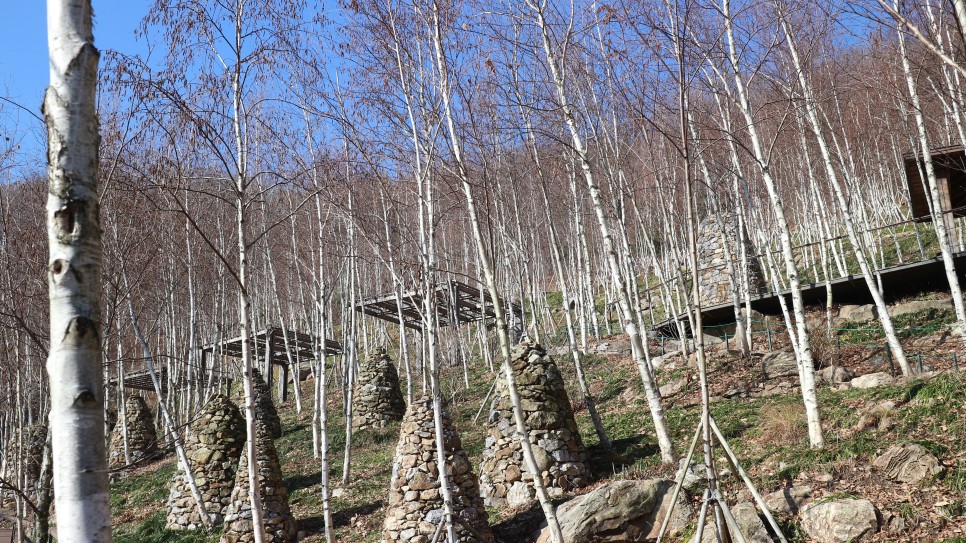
pixel 559 451
pixel 264 405
pixel 415 508
pixel 713 277
pixel 27 445
pixel 142 438
pixel 213 446
pixel 279 523
pixel 378 400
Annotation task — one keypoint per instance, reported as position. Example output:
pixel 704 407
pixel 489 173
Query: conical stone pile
pixel 415 505
pixel 377 398
pixel 264 405
pixel 559 451
pixel 713 276
pixel 142 438
pixel 26 445
pixel 213 446
pixel 280 526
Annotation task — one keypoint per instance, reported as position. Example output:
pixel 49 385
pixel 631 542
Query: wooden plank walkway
pixel 897 281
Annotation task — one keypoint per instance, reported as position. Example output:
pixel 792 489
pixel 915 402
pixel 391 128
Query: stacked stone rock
pixel 415 505
pixel 713 277
pixel 27 445
pixel 264 405
pixel 377 397
pixel 280 526
pixel 559 451
pixel 142 438
pixel 213 446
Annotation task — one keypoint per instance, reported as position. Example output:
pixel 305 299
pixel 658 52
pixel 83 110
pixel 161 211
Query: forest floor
pixel 768 435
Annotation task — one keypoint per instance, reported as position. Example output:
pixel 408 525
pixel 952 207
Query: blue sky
pixel 23 58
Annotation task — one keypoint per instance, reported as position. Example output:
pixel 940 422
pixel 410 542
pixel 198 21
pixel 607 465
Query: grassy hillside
pixel 768 434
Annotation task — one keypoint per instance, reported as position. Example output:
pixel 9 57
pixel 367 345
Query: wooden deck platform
pixel 897 281
pixel 456 303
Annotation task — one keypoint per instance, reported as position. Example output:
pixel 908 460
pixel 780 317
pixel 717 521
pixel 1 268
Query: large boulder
pixel 840 521
pixel 779 364
pixel 872 380
pixel 915 306
pixel 834 375
pixel 857 313
pixel 750 524
pixel 787 501
pixel 621 512
pixel 908 463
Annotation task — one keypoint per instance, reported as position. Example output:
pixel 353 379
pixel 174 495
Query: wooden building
pixel 950 166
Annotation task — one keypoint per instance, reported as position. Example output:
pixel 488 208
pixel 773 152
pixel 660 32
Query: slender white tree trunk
pixel 818 131
pixel 804 351
pixel 74 277
pixel 630 323
pixel 523 433
pixel 933 184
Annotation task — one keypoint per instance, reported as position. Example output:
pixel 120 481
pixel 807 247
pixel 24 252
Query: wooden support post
pixel 946 204
pixel 283 383
pixel 267 358
pixel 202 377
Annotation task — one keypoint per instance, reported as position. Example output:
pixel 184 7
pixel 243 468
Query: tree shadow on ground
pixel 316 523
pixel 626 452
pixel 298 482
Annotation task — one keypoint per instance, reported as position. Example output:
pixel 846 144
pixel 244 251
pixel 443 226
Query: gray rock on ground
pixel 915 306
pixel 621 512
pixel 779 364
pixel 908 463
pixel 787 501
pixel 834 375
pixel 872 380
pixel 751 526
pixel 857 313
pixel 840 521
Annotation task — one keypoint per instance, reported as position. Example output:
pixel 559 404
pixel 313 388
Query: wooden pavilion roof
pixel 301 346
pixel 141 380
pixel 456 303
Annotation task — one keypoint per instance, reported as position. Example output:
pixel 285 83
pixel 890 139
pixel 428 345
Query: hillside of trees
pixel 274 164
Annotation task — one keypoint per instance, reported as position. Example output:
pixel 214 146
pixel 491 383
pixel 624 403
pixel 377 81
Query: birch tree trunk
pixel 803 352
pixel 932 183
pixel 817 130
pixel 74 277
pixel 523 434
pixel 630 323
